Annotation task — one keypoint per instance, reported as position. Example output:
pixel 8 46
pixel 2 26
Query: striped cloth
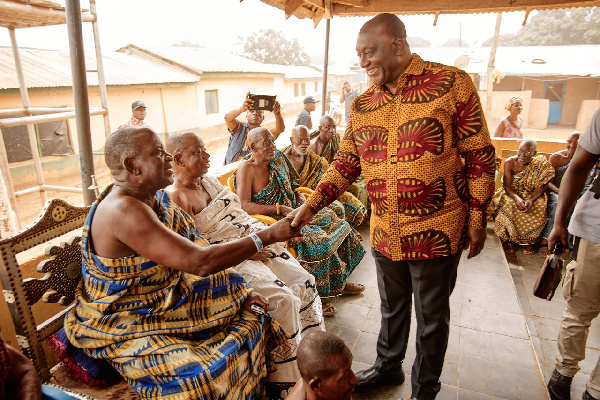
pixel 170 334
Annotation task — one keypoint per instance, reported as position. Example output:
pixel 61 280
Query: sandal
pixel 353 288
pixel 543 249
pixel 329 310
pixel 529 250
pixel 508 247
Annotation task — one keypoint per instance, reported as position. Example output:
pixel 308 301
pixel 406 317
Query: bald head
pixel 314 354
pixel 299 130
pixel 256 135
pixel 532 144
pixel 326 120
pixel 123 144
pixel 389 23
pixel 178 141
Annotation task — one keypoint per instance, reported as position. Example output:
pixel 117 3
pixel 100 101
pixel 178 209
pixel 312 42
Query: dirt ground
pixel 30 205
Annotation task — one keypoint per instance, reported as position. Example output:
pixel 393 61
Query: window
pixel 296 94
pixel 211 101
pixel 303 88
pixel 53 140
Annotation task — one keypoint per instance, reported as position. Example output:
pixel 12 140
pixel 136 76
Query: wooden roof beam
pixel 45 16
pixel 291 6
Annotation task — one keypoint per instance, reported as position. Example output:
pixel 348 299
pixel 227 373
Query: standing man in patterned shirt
pixel 420 138
pixel 138 113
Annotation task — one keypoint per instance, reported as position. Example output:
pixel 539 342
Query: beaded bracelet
pixel 277 206
pixel 257 241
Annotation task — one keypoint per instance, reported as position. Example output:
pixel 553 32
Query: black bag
pixel 550 274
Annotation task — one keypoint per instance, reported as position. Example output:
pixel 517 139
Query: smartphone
pixel 262 102
pixel 256 308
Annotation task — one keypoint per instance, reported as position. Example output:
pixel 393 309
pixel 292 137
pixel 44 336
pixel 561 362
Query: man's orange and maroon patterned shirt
pixel 426 155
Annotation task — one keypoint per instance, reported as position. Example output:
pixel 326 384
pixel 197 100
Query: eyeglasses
pixel 526 153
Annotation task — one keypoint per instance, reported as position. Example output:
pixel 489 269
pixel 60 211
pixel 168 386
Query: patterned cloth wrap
pixel 171 334
pixel 352 210
pixel 330 249
pixel 517 226
pixel 359 188
pixel 4 367
pixel 291 291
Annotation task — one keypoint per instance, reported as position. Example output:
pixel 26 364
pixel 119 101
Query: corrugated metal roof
pixel 523 60
pixel 52 68
pixel 301 72
pixel 205 60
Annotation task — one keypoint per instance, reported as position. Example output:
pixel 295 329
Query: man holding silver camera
pixel 238 147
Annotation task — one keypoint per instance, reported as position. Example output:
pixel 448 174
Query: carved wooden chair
pixel 58 275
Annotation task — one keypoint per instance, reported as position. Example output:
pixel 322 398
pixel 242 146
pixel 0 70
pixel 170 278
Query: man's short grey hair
pixel 177 141
pixel 256 134
pixel 121 145
pixel 532 142
pixel 314 352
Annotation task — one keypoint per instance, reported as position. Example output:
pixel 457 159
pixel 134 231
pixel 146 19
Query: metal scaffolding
pixel 18 14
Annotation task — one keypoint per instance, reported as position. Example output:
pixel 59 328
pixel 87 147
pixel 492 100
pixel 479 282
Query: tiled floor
pixel 502 339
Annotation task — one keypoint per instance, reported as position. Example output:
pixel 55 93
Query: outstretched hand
pixel 302 215
pixel 283 230
pixel 475 241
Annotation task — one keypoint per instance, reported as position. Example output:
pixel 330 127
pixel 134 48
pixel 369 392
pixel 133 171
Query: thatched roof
pixel 319 9
pixel 31 13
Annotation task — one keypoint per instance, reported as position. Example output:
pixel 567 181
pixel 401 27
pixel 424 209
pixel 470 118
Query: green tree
pixel 415 41
pixel 506 39
pixel 272 47
pixel 560 27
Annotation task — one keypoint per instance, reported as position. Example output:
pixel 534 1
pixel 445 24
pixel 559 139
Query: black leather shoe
pixel 559 386
pixel 371 378
pixel 587 396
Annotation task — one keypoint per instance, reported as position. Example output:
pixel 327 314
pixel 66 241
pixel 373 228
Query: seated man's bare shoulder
pixel 118 217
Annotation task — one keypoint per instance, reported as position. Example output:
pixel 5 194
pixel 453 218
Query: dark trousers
pixel 432 282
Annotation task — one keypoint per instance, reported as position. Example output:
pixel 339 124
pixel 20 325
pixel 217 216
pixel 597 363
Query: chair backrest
pixel 61 274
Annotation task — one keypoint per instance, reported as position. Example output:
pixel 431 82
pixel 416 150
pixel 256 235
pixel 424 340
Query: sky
pixel 219 23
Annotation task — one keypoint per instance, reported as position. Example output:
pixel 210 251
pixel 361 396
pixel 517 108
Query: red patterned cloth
pixel 4 367
pixel 427 158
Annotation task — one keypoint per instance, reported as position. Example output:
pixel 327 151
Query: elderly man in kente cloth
pixel 520 204
pixel 290 290
pixel 156 301
pixel 419 136
pixel 311 167
pixel 330 249
pixel 326 145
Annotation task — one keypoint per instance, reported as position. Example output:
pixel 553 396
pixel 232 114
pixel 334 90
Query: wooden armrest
pixel 304 190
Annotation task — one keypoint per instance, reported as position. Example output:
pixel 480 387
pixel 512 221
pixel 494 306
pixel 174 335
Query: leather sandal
pixel 353 288
pixel 529 250
pixel 508 247
pixel 329 310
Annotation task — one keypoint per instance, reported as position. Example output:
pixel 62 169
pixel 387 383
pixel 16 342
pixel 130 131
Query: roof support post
pixel 80 93
pixel 325 66
pixel 100 68
pixel 33 142
pixel 490 68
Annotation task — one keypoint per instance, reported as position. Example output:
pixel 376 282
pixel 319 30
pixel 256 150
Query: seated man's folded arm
pixel 144 233
pixel 507 179
pixel 244 180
